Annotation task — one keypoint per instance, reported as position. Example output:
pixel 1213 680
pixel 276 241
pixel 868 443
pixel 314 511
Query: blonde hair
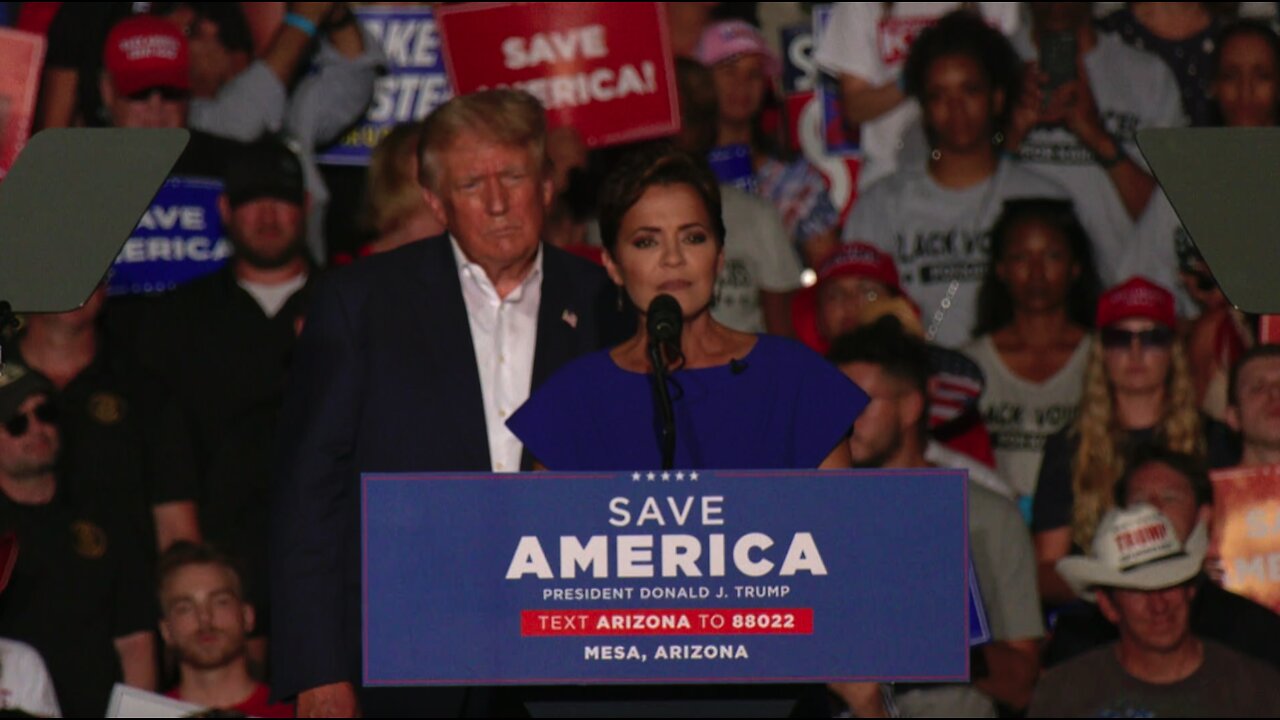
pixel 393 194
pixel 508 117
pixel 1099 460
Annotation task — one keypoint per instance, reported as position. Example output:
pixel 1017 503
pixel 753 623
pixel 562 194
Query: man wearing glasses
pixel 78 592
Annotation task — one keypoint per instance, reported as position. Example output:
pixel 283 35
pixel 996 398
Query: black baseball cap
pixel 18 383
pixel 265 168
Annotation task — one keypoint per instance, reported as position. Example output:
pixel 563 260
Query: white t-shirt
pixel 271 297
pixel 1133 90
pixel 758 256
pixel 871 40
pixel 939 236
pixel 24 681
pixel 1021 414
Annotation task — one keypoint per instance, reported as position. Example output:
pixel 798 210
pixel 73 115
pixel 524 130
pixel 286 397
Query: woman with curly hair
pixel 1137 392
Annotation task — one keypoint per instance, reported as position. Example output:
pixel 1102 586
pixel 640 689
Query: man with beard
pixel 206 622
pixel 894 369
pixel 222 345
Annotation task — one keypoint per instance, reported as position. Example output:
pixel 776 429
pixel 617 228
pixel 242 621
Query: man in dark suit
pixel 411 361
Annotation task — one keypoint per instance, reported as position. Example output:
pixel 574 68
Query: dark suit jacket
pixel 385 380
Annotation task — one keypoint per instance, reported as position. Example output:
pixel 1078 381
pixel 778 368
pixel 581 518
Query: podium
pixel 749 578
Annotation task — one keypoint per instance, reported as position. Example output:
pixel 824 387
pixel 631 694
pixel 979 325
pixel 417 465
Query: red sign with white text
pixel 21 57
pixel 604 69
pixel 707 621
pixel 1246 531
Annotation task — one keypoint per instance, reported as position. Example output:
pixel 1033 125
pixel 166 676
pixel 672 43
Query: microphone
pixel 736 366
pixel 665 320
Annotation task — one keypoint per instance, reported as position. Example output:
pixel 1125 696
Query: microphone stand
pixel 662 399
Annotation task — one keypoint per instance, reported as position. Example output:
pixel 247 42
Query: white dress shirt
pixel 504 332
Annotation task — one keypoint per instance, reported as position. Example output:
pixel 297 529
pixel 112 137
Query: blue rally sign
pixel 415 84
pixel 661 577
pixel 179 238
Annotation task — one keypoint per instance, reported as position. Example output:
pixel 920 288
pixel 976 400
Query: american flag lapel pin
pixel 570 318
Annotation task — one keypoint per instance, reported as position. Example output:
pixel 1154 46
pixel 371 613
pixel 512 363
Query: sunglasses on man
pixel 1159 337
pixel 18 424
pixel 166 93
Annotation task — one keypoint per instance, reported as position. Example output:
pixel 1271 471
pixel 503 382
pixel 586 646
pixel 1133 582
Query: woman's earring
pixel 620 303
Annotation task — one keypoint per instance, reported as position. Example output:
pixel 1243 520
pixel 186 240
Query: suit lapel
pixel 442 316
pixel 558 318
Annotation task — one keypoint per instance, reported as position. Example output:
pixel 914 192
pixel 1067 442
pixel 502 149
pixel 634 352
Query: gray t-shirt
pixel 1094 684
pixel 871 41
pixel 757 256
pixel 1021 414
pixel 941 238
pixel 1000 547
pixel 1133 90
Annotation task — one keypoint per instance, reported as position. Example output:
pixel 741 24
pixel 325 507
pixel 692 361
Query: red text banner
pixel 604 69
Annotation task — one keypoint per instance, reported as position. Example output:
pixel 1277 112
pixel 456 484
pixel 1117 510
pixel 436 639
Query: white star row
pixel 665 476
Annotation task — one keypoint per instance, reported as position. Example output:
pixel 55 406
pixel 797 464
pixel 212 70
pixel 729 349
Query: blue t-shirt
pixel 779 407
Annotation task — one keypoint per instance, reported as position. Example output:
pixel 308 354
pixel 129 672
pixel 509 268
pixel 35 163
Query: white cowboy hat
pixel 1135 548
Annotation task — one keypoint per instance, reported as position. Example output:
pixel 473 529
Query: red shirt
pixel 257 704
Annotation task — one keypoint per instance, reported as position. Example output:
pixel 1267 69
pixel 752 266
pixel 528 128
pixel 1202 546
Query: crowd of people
pixel 1010 293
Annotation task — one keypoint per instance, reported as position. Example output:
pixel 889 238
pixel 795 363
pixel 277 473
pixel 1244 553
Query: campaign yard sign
pixel 414 85
pixel 21 57
pixel 179 238
pixel 604 69
pixel 666 577
pixel 1246 531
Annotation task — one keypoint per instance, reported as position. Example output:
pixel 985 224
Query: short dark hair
pixel 184 553
pixel 650 165
pixel 1187 466
pixel 233 27
pixel 886 344
pixel 1237 28
pixel 1253 353
pixel 965 33
pixel 995 306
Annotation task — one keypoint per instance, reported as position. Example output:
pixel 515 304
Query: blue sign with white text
pixel 732 166
pixel 666 577
pixel 179 238
pixel 415 82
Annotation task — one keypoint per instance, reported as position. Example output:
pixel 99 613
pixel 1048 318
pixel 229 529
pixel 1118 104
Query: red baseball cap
pixel 1136 297
pixel 144 52
pixel 860 259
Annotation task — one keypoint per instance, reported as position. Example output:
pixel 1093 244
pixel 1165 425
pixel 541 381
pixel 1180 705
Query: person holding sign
pixel 744 69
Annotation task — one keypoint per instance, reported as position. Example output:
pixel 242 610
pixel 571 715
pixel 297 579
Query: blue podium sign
pixel 665 577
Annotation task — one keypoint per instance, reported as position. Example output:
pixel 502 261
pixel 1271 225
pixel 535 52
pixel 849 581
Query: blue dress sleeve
pixel 555 421
pixel 828 403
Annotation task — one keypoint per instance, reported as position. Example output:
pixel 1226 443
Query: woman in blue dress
pixel 739 401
